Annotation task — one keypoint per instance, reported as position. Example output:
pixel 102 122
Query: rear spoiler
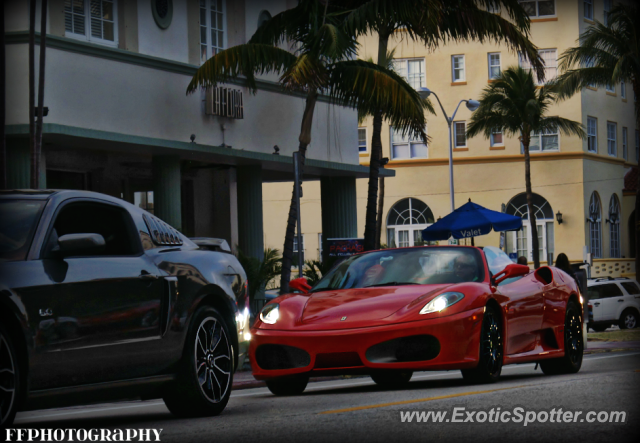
pixel 212 244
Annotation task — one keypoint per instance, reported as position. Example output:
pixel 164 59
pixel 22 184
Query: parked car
pixel 613 301
pixel 388 313
pixel 100 300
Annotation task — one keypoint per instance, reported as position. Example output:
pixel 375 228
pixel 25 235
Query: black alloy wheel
pixel 9 380
pixel 392 379
pixel 571 362
pixel 206 374
pixel 491 350
pixel 288 386
pixel 628 319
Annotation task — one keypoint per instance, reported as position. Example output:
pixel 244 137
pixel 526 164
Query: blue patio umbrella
pixel 470 220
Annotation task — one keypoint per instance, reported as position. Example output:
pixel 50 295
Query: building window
pixel 403 147
pixel 588 9
pixel 460 129
pixel 295 250
pixel 520 242
pixel 623 90
pixel 412 70
pixel 592 134
pixel 93 20
pixel 457 67
pixel 614 227
pixel 362 139
pixel 538 8
pixel 607 9
pixel 550 60
pixel 595 234
pixel 494 65
pixel 144 200
pixel 496 137
pixel 547 140
pixel 611 138
pixel 405 222
pixel 625 142
pixel 610 88
pixel 212 28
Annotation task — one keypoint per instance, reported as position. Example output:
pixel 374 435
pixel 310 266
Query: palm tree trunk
pixel 636 91
pixel 374 164
pixel 304 139
pixel 32 97
pixel 43 50
pixel 532 211
pixel 380 209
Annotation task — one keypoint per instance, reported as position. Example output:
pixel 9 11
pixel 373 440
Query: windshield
pixel 18 220
pixel 406 266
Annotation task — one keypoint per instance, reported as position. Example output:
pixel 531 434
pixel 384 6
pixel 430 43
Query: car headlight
pixel 441 302
pixel 270 313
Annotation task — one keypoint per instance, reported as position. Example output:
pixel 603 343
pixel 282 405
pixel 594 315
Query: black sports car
pixel 100 300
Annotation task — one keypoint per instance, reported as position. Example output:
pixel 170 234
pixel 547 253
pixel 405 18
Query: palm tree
pixel 432 22
pixel 517 107
pixel 322 62
pixel 260 272
pixel 606 56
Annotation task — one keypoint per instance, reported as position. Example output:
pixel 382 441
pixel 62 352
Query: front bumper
pixel 458 336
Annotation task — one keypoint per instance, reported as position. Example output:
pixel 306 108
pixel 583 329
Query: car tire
pixel 10 380
pixel 571 362
pixel 205 376
pixel 288 386
pixel 491 350
pixel 628 319
pixel 599 328
pixel 392 379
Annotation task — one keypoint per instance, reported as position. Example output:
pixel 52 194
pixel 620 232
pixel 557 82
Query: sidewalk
pixel 245 380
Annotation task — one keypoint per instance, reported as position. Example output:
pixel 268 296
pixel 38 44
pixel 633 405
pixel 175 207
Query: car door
pixel 103 318
pixel 612 298
pixel 524 312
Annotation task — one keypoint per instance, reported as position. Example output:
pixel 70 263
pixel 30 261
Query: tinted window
pixel 405 266
pixel 18 220
pixel 604 291
pixel 631 287
pixel 113 223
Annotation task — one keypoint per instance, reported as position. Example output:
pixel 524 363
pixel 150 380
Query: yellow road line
pixel 420 400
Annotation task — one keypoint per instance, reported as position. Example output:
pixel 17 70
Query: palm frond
pixel 243 60
pixel 370 88
pixel 563 125
pixel 304 74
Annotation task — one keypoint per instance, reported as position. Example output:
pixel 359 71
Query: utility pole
pixel 298 192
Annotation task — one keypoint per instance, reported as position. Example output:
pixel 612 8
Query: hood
pixel 361 307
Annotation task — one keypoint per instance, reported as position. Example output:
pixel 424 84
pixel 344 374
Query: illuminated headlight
pixel 270 313
pixel 242 318
pixel 581 300
pixel 441 302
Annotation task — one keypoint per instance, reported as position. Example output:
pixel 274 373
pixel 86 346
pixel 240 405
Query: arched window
pixel 595 226
pixel 519 243
pixel 614 227
pixel 405 222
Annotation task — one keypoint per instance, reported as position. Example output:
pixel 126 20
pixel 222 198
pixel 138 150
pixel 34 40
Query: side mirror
pixel 300 284
pixel 73 244
pixel 511 271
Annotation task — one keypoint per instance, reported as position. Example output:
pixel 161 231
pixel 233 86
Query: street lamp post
pixel 472 105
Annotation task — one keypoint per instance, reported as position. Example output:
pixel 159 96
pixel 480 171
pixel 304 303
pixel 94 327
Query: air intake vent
pixel 161 233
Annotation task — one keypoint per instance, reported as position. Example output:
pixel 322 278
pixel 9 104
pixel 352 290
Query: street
pixel 357 410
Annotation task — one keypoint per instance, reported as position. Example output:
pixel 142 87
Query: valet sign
pixel 344 247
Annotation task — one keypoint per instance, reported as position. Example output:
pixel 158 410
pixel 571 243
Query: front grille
pixel 338 360
pixel 404 349
pixel 271 357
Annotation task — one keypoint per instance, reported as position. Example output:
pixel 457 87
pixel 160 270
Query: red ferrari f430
pixel 391 312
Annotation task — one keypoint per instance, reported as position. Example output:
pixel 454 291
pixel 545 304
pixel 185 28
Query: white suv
pixel 613 301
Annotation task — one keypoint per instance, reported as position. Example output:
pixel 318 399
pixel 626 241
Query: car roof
pixel 604 280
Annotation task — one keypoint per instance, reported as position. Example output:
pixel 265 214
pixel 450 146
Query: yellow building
pixel 583 180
